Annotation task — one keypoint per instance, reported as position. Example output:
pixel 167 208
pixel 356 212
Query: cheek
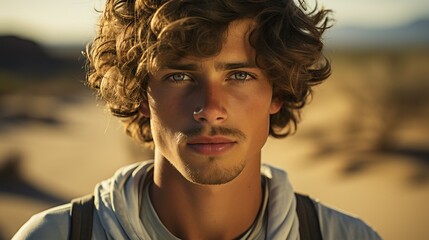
pixel 166 110
pixel 164 129
pixel 169 117
pixel 254 114
pixel 256 103
pixel 255 124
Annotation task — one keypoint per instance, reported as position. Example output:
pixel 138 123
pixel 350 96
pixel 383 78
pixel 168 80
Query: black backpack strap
pixel 309 226
pixel 82 213
pixel 81 218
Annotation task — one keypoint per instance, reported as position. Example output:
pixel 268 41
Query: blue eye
pixel 178 77
pixel 241 76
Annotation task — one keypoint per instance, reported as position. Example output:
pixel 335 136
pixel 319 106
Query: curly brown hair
pixel 135 36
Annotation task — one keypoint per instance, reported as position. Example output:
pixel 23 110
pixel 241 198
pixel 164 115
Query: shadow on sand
pixel 388 114
pixel 13 182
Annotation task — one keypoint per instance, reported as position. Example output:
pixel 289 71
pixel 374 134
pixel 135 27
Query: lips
pixel 211 146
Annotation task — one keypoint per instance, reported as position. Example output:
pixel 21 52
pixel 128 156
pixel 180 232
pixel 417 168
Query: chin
pixel 213 173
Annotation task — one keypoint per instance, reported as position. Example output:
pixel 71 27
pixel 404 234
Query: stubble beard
pixel 214 174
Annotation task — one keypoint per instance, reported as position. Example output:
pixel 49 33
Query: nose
pixel 211 107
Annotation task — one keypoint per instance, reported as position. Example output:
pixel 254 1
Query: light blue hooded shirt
pixel 119 212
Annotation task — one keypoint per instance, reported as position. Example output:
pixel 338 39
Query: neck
pixel 194 211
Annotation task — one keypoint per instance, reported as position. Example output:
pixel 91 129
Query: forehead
pixel 237 39
pixel 235 48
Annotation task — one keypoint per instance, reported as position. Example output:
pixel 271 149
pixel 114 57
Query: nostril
pixel 199 114
pixel 209 114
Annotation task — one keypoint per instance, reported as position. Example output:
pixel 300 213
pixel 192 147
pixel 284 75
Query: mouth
pixel 211 146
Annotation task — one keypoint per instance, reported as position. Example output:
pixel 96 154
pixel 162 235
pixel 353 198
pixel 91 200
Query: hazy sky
pixel 73 21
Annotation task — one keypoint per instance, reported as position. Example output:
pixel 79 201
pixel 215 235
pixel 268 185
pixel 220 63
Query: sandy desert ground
pixel 363 146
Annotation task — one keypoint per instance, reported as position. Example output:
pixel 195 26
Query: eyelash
pixel 247 78
pixel 231 77
pixel 170 77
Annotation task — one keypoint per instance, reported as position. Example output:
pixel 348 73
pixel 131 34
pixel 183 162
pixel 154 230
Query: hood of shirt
pixel 118 201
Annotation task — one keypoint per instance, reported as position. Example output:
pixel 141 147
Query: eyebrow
pixel 218 66
pixel 179 66
pixel 230 66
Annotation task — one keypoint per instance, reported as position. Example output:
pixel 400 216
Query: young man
pixel 204 82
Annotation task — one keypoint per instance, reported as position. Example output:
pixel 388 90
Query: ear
pixel 144 109
pixel 275 106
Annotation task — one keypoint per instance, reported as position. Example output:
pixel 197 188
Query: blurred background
pixel 363 144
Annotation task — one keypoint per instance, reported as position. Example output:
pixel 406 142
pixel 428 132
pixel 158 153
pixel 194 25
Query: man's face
pixel 210 116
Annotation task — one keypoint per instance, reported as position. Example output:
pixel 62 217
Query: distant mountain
pixel 415 34
pixel 24 56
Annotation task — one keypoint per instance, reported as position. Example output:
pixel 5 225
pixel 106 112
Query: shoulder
pixel 336 224
pixel 50 224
